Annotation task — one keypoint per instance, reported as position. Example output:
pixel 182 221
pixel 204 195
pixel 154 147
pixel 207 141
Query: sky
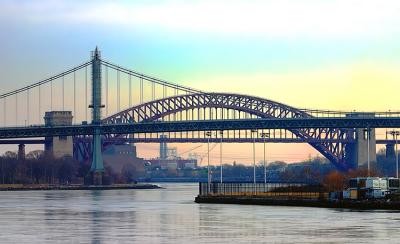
pixel 322 54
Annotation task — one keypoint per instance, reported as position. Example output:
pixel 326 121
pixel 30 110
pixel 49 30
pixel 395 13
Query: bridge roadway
pixel 200 125
pixel 188 140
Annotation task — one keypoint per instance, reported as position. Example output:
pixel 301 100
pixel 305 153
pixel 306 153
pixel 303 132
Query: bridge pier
pixel 390 152
pixel 357 152
pixel 21 151
pixel 58 146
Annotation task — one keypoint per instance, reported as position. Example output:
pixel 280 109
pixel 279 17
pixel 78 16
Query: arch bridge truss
pixel 330 142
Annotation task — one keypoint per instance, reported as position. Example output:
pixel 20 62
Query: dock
pixel 283 194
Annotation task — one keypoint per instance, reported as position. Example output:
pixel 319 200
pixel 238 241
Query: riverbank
pixel 45 187
pixel 320 203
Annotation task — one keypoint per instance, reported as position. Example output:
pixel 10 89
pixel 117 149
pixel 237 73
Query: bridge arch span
pixel 255 106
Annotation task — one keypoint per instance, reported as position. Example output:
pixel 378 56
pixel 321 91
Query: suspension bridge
pixel 127 106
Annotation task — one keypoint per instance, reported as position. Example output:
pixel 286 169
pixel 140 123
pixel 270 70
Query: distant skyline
pixel 326 54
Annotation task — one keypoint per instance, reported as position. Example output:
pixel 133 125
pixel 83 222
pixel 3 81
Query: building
pixel 169 159
pixel 173 163
pixel 117 157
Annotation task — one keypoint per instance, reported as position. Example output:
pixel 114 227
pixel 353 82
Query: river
pixel 170 216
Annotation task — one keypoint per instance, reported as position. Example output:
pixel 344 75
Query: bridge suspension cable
pixel 39 83
pixel 149 78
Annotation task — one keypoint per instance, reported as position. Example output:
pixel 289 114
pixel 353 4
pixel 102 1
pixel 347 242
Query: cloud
pixel 284 19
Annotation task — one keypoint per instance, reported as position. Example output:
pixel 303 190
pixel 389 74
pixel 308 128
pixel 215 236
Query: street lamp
pixel 395 134
pixel 265 135
pixel 208 134
pixel 220 153
pixel 254 155
pixel 368 131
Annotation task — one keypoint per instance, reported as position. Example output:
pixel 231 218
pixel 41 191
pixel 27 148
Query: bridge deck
pixel 205 125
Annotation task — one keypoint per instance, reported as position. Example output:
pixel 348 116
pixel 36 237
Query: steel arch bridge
pixel 329 132
pixel 202 106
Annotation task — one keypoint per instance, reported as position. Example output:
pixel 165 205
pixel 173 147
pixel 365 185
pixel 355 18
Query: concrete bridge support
pixel 60 146
pixel 21 151
pixel 357 152
pixel 390 152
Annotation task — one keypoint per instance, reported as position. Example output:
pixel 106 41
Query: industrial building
pixel 169 159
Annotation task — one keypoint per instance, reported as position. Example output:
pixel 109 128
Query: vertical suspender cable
pixel 86 105
pixel 27 106
pixel 63 100
pixel 141 90
pixel 40 103
pixel 176 93
pixel 130 91
pixel 51 95
pixel 164 91
pixel 4 111
pixel 118 93
pixel 16 109
pixel 106 91
pixel 75 113
pixel 153 91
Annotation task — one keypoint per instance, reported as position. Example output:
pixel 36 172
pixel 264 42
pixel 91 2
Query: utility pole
pixel 220 154
pixel 208 134
pixel 254 156
pixel 265 135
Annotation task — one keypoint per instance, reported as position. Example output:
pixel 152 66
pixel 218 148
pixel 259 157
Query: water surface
pixel 170 216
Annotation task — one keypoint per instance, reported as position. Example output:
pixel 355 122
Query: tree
pixel 35 155
pixel 334 181
pixel 10 155
pixel 67 171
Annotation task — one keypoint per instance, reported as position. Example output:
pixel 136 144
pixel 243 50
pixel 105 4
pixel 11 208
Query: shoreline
pixel 78 187
pixel 359 205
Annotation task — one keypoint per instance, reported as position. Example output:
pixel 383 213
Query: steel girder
pixel 262 108
pixel 121 140
pixel 320 125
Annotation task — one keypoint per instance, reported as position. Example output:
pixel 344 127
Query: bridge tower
pixel 357 152
pixel 60 146
pixel 97 167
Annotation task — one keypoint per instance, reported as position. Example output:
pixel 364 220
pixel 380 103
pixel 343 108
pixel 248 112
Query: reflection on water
pixel 170 216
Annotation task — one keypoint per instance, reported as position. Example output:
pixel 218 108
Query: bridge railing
pixel 268 190
pixel 324 113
